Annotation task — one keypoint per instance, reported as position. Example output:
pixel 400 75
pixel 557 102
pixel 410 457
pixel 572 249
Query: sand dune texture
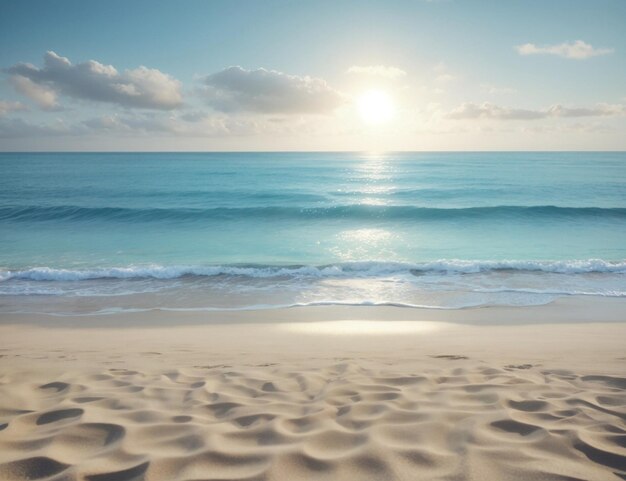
pixel 343 421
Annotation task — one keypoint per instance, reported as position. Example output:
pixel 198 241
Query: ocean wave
pixel 345 269
pixel 356 211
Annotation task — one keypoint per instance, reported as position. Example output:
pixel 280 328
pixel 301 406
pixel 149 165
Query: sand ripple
pixel 341 422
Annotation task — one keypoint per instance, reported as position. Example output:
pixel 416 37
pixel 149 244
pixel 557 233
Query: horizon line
pixel 297 151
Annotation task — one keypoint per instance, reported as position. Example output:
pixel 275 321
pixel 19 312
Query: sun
pixel 375 107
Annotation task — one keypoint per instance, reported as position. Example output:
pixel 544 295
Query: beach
pixel 326 392
pixel 313 241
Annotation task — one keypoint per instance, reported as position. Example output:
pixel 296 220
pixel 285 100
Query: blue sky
pixel 455 75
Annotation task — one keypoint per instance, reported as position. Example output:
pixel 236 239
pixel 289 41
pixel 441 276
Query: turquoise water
pixel 216 230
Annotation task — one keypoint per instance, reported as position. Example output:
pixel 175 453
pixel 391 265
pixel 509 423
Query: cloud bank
pixel 470 110
pixel 19 128
pixel 578 50
pixel 269 92
pixel 141 87
pixel 6 107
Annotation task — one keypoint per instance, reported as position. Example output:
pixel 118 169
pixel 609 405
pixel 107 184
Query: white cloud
pixel 197 124
pixel 269 92
pixel 141 87
pixel 6 107
pixel 578 50
pixel 377 71
pixel 578 128
pixel 45 98
pixel 142 124
pixel 469 110
pixel 600 110
pixel 18 128
pixel 486 110
pixel 106 122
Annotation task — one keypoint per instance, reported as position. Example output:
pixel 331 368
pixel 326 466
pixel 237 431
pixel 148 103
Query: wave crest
pixel 346 269
pixel 356 211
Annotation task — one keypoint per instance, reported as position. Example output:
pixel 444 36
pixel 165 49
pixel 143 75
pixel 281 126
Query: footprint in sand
pixel 450 357
pixel 518 366
pixel 59 415
pixel 31 468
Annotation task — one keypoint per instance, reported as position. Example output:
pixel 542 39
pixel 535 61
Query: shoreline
pixel 566 334
pixel 571 309
pixel 582 333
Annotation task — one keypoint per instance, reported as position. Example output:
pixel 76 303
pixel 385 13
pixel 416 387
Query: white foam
pixel 347 269
pixel 553 292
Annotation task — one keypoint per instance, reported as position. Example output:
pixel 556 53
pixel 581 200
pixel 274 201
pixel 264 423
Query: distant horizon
pixel 299 151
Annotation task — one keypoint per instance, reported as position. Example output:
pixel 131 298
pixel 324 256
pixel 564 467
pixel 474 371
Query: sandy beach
pixel 328 393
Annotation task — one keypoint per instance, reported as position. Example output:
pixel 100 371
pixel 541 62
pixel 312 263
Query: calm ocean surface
pixel 103 232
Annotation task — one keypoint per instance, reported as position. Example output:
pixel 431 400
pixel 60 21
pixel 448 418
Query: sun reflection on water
pixel 366 243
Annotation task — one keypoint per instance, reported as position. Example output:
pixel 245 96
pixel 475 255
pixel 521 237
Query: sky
pixel 296 75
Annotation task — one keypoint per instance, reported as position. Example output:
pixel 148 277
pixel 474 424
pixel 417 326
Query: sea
pixel 100 233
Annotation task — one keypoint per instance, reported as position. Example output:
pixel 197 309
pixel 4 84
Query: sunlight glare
pixel 365 327
pixel 375 107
